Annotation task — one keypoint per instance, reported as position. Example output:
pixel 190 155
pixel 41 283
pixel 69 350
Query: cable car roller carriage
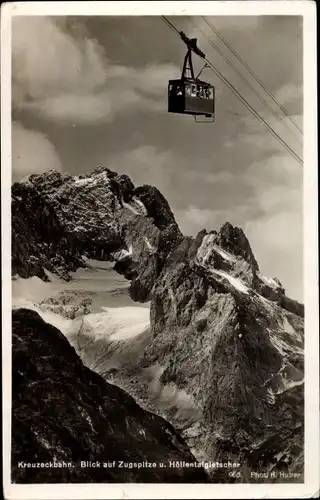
pixel 189 95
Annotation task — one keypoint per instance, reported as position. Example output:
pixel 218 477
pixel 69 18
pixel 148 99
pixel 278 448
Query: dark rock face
pixel 38 239
pixel 157 206
pixel 233 239
pixel 64 412
pixel 58 218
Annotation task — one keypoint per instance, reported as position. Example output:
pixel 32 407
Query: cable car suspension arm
pixel 191 43
pixel 187 70
pixel 205 66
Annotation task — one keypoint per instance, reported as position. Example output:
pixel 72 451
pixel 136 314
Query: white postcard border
pixel 307 9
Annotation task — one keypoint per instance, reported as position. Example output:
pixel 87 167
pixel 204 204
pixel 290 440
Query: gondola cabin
pixel 191 97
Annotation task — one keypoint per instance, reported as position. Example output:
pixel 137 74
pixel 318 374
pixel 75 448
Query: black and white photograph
pixel 156 236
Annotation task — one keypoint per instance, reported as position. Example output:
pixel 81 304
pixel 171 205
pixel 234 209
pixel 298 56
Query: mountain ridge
pixel 81 418
pixel 106 232
pixel 98 215
pixel 224 339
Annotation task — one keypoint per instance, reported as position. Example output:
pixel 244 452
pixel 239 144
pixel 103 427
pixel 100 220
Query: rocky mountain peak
pixel 100 215
pixel 157 206
pixel 230 339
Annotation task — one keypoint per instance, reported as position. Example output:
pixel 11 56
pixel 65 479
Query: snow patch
pixel 282 346
pixel 63 324
pixel 130 207
pixel 268 304
pixel 226 255
pixel 173 300
pixel 129 322
pixel 289 384
pixel 268 281
pixel 99 277
pixel 42 440
pixel 205 249
pixel 135 206
pixel 82 182
pixel 235 282
pixel 86 416
pixel 149 245
pixel 288 328
pixel 141 205
pixel 91 181
pixel 35 289
pixel 97 264
pixel 169 395
pixel 123 254
pixel 270 396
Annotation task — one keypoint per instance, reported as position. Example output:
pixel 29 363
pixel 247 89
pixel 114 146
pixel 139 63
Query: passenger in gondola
pixel 200 92
pixel 179 91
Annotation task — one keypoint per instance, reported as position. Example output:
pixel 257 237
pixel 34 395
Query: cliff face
pixel 64 412
pixel 232 340
pixel 223 358
pixel 57 218
pixel 38 239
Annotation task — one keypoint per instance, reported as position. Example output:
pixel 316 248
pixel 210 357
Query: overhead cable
pixel 276 115
pixel 240 97
pixel 265 88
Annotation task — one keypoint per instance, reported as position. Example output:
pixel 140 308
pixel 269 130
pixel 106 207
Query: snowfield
pixel 108 333
pixel 120 323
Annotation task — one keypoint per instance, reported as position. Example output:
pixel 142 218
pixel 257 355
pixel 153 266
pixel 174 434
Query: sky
pixel 89 91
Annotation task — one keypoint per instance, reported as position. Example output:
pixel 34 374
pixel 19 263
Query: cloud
pixel 260 142
pixel 68 78
pixel 146 165
pixel 32 152
pixel 271 213
pixel 257 187
pixel 276 181
pixel 173 175
pixel 193 219
pixel 225 24
pixel 277 235
pixel 239 172
pixel 289 93
pixel 220 177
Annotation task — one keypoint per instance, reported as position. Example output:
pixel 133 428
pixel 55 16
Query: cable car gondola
pixel 189 95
